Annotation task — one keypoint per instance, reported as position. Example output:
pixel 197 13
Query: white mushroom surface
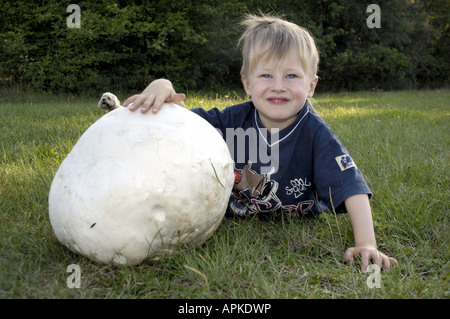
pixel 137 186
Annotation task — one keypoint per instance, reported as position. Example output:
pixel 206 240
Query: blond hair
pixel 272 37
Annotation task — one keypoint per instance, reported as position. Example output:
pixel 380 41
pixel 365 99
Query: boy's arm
pixel 154 96
pixel 358 208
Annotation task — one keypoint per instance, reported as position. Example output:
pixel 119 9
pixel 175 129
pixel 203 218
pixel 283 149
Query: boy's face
pixel 279 90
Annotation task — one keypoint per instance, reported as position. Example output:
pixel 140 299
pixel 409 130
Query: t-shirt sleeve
pixel 230 117
pixel 219 119
pixel 336 175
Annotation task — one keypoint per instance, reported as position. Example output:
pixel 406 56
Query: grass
pixel 400 140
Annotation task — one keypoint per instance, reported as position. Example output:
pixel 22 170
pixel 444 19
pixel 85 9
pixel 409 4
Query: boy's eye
pixel 291 76
pixel 266 76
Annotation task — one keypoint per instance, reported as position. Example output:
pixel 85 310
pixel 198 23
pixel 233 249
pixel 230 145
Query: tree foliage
pixel 122 45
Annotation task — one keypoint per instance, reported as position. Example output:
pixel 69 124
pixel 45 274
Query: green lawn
pixel 400 140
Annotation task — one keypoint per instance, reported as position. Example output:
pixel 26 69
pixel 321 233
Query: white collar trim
pixel 277 132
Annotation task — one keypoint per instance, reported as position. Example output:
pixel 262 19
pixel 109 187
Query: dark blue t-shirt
pixel 301 169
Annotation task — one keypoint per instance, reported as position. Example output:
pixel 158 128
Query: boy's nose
pixel 278 85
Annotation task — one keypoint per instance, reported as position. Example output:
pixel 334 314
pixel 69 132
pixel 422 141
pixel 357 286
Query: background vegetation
pixel 123 45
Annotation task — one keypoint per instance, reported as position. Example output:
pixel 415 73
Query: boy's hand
pixel 358 208
pixel 154 96
pixel 367 254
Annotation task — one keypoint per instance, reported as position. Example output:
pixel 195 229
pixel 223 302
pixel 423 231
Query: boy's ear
pixel 246 85
pixel 312 86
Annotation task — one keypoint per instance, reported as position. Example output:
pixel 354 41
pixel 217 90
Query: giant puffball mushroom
pixel 137 186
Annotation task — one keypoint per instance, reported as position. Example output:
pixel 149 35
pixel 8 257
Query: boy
pixel 309 169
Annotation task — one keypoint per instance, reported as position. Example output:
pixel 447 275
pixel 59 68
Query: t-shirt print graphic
pixel 256 192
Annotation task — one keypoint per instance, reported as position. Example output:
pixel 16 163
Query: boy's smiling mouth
pixel 277 100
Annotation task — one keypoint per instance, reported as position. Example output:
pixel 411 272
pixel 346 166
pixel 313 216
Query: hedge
pixel 122 45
